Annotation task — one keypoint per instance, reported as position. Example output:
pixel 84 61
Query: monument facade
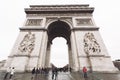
pixel 75 23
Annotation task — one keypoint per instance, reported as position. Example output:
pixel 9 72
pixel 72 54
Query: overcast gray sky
pixel 106 16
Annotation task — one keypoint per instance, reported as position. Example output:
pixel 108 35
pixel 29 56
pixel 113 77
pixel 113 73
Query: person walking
pixel 7 73
pixel 12 72
pixel 85 72
pixel 33 73
pixel 53 72
pixel 56 73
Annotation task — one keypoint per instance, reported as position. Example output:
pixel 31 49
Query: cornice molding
pixel 27 28
pixel 36 9
pixel 73 29
pixel 85 28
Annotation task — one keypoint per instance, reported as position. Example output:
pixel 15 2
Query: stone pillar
pixel 74 51
pixel 47 63
pixel 70 57
pixel 42 50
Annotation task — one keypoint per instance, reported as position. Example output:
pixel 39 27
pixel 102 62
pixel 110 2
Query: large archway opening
pixel 59 43
pixel 59 52
pixel 59 29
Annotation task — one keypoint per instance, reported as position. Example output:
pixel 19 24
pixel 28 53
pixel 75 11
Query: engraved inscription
pixel 28 43
pixel 91 45
pixel 83 22
pixel 34 22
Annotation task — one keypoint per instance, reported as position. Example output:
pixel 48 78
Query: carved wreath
pixel 90 44
pixel 28 43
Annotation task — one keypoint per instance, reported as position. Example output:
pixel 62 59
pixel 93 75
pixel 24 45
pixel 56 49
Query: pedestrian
pixel 37 71
pixel 33 72
pixel 12 72
pixel 85 72
pixel 56 73
pixel 53 72
pixel 70 69
pixel 7 73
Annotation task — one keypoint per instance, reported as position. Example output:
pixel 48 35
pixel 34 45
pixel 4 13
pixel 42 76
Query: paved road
pixel 63 76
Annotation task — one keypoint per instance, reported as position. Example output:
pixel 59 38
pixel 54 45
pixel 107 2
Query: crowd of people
pixel 40 70
pixel 44 71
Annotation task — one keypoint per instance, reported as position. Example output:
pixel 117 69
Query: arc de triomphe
pixel 75 23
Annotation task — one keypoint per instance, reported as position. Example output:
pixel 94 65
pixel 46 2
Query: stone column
pixel 74 51
pixel 47 63
pixel 42 49
pixel 70 57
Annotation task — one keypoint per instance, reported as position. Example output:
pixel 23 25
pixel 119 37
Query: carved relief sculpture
pixel 28 43
pixel 91 45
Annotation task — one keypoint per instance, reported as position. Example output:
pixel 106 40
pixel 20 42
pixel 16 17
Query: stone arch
pixel 63 20
pixel 58 29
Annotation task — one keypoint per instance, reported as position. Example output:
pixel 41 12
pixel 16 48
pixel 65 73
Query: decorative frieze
pixel 60 14
pixel 85 21
pixel 28 43
pixel 34 22
pixel 91 45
